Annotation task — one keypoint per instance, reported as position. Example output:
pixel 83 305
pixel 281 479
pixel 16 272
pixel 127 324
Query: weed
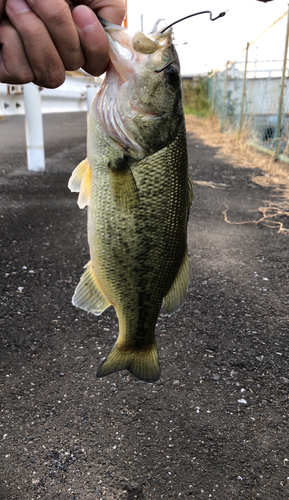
pixel 195 97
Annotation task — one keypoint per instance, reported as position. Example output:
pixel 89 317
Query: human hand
pixel 40 40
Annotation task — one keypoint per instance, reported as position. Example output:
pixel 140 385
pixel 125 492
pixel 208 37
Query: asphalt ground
pixel 215 426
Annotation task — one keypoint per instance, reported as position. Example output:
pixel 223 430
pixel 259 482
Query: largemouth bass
pixel 135 183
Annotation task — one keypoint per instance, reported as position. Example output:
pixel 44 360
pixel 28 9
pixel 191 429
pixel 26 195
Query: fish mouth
pixel 116 104
pixel 128 50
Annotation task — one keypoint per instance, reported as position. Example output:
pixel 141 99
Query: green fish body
pixel 136 185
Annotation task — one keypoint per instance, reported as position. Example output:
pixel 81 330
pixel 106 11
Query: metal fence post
pixel 244 90
pixel 224 96
pixel 214 90
pixel 278 131
pixel 34 128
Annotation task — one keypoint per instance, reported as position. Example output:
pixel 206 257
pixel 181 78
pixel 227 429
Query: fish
pixel 136 186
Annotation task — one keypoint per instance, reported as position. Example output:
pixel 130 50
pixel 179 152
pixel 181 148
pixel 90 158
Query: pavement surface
pixel 215 426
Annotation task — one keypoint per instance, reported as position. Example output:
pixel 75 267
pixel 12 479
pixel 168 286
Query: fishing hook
pixel 222 14
pixel 165 67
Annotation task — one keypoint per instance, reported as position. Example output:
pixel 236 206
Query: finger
pixel 57 18
pixel 14 65
pixel 2 7
pixel 112 11
pixel 93 40
pixel 40 50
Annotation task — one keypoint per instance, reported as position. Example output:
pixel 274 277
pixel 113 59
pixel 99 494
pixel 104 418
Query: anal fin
pixel 88 295
pixel 176 295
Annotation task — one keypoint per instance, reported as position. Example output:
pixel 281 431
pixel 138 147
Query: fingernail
pixel 18 6
pixel 84 18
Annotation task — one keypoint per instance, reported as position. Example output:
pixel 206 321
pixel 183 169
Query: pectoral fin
pixel 178 291
pixel 123 186
pixel 80 182
pixel 88 295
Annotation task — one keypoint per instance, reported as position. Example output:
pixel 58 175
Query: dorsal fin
pixel 176 295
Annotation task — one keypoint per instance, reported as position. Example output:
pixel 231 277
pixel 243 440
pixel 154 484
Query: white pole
pixel 90 93
pixel 34 128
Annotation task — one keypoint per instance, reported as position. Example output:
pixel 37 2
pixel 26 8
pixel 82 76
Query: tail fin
pixel 142 363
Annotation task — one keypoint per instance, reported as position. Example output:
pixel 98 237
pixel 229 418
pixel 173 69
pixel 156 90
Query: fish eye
pixel 172 73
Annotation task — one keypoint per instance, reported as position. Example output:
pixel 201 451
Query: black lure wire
pixel 222 14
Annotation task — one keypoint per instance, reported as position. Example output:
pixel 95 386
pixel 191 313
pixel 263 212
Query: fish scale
pixel 140 243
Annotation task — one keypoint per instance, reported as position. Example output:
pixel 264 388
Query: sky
pixel 204 45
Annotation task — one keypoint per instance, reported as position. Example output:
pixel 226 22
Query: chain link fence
pixel 251 94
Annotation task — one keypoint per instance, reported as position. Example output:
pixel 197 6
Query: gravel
pixel 215 426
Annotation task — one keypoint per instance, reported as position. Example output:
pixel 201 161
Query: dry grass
pixel 241 154
pixel 274 210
